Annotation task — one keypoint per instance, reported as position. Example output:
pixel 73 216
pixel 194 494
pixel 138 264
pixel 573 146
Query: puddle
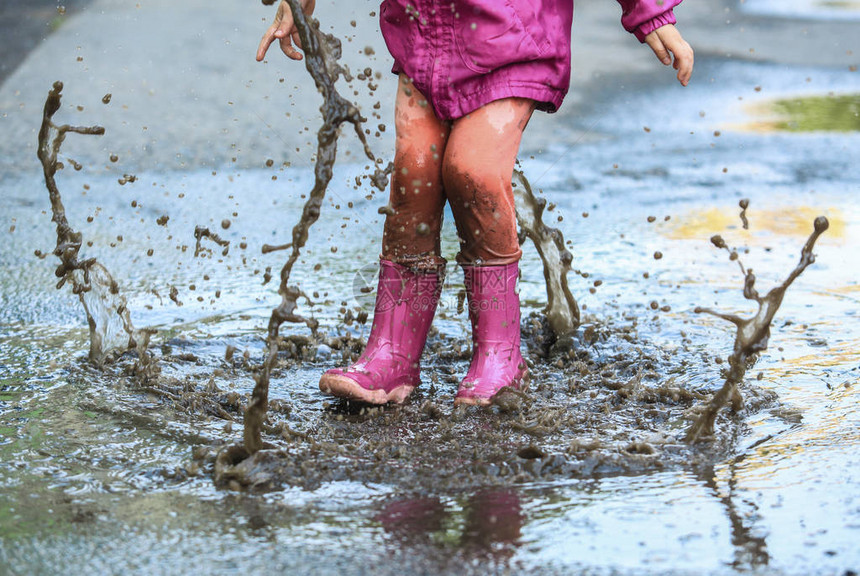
pixel 791 221
pixel 826 113
pixel 815 9
pixel 587 472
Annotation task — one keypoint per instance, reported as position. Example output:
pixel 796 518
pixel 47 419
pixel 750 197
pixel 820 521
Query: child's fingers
pixel 265 42
pixel 685 70
pixel 282 30
pixel 684 66
pixel 287 48
pixel 656 44
pixel 683 60
pixel 681 52
pixel 297 39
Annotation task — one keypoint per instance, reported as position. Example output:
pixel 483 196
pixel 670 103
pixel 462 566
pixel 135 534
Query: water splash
pixel 562 311
pixel 108 317
pixel 322 52
pixel 201 232
pixel 752 333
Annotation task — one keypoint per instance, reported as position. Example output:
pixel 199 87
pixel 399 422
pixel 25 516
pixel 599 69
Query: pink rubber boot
pixel 388 369
pixel 494 310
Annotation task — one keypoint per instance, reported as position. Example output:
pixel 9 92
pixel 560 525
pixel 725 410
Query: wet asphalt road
pixel 188 93
pixel 24 24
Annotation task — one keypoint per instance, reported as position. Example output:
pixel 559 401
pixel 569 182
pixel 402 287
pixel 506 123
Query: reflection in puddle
pixel 789 221
pixel 750 544
pixel 820 113
pixel 819 9
pixel 486 525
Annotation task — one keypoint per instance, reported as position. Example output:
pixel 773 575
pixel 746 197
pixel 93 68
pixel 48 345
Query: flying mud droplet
pixel 106 98
pixel 174 295
pixel 752 334
pixel 744 204
pixel 201 232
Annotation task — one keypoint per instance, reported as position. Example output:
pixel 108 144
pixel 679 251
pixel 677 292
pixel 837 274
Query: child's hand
pixel 284 30
pixel 666 42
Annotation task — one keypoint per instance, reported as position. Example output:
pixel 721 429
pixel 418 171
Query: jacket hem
pixel 546 98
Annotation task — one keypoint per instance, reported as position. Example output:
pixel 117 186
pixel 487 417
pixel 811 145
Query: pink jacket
pixel 462 54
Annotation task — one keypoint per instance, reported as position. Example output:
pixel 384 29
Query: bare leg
pixel 417 198
pixel 478 164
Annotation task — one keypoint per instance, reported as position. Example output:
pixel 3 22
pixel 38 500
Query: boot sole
pixel 519 384
pixel 472 401
pixel 344 387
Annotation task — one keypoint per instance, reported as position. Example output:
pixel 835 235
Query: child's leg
pixel 477 168
pixel 411 269
pixel 417 198
pixel 478 164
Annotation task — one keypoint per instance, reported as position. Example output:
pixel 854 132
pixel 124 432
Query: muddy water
pixel 588 471
pixel 322 52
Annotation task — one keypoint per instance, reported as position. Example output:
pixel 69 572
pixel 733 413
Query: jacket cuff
pixel 667 17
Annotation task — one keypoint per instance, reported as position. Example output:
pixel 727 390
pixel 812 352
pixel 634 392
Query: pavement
pixel 187 93
pixel 26 23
